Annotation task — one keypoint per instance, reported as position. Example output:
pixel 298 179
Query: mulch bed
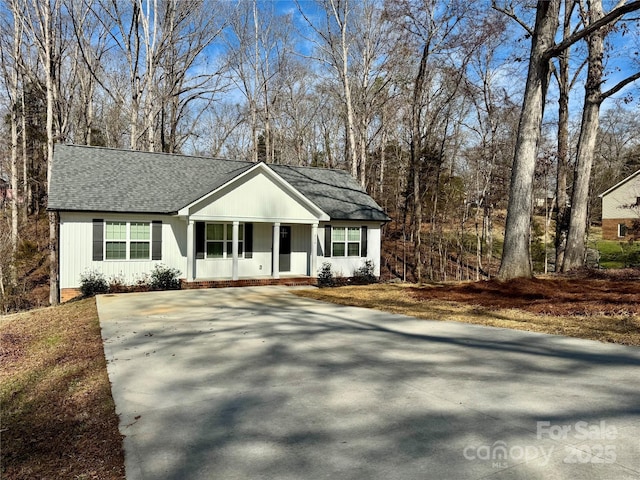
pixel 585 293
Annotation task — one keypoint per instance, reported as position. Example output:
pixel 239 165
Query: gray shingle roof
pixel 110 180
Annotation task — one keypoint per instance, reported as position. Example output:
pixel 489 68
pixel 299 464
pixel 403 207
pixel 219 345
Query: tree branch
pixel 511 14
pixel 609 18
pixel 619 86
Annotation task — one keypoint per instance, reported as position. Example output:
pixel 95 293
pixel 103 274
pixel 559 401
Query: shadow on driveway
pixel 257 383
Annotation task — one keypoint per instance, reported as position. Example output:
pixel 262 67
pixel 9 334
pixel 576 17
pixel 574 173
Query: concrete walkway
pixel 255 383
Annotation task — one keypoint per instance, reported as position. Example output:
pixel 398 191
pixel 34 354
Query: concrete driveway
pixel 255 383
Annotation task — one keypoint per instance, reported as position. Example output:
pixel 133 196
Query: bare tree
pixel 333 41
pixel 516 260
pixel 11 69
pixel 575 250
pixel 437 33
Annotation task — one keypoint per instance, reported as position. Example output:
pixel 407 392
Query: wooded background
pixel 462 118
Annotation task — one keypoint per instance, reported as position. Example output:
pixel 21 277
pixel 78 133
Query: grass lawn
pixel 615 254
pixel 557 309
pixel 58 416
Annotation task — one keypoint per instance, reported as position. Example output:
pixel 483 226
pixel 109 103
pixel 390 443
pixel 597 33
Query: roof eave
pixel 619 184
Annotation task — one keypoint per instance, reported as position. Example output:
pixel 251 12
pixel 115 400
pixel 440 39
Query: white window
pixel 219 240
pixel 345 241
pixel 622 230
pixel 127 240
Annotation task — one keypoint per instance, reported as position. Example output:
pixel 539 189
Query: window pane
pixel 229 231
pixel 116 231
pixel 241 233
pixel 240 249
pixel 116 251
pixel 214 249
pixel 139 251
pixel 338 250
pixel 215 231
pixel 338 234
pixel 229 249
pixel 140 231
pixel 354 234
pixel 353 249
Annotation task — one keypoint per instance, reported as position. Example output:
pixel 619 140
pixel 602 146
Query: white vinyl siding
pixel 257 199
pixel 76 256
pixel 623 201
pixel 346 265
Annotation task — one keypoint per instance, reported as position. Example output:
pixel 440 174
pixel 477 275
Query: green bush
pixel 325 276
pixel 365 275
pixel 92 283
pixel 619 254
pixel 165 278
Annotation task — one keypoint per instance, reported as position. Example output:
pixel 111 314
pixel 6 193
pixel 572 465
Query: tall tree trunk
pixel 575 250
pixel 416 153
pixel 49 66
pixel 562 171
pixel 13 106
pixel 516 259
pixel 26 185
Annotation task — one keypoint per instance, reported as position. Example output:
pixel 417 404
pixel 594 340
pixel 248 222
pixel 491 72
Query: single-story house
pixel 122 212
pixel 620 207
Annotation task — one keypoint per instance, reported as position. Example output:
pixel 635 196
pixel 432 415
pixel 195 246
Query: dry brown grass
pixel 58 416
pixel 472 303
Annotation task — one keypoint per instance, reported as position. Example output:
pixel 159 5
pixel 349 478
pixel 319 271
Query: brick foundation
pixel 610 228
pixel 67 294
pixel 248 282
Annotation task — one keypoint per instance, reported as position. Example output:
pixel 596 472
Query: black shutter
pixel 363 241
pixel 200 240
pixel 156 240
pixel 327 240
pixel 98 240
pixel 248 240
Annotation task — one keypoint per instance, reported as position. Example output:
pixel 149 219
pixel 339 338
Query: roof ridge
pixel 167 154
pixel 202 157
pixel 309 167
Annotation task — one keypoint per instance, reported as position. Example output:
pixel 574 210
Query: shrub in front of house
pixel 164 278
pixel 325 276
pixel 92 283
pixel 365 274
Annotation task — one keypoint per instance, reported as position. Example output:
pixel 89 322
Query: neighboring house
pixel 122 212
pixel 621 207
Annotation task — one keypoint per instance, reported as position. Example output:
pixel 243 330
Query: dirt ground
pixel 586 293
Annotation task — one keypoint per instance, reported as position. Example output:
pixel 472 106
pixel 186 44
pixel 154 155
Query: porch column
pixel 234 250
pixel 313 258
pixel 275 272
pixel 191 251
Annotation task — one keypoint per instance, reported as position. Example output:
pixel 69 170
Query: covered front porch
pixel 255 226
pixel 254 253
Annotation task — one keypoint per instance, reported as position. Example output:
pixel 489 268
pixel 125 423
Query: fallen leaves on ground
pixel 600 305
pixel 58 416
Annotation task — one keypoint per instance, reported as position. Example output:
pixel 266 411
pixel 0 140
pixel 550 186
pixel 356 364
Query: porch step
pixel 248 282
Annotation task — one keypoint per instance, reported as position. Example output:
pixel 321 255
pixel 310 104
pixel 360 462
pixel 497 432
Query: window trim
pixel 622 230
pixel 346 242
pixel 227 242
pixel 127 241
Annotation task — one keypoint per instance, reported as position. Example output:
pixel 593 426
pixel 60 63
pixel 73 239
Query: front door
pixel 285 248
